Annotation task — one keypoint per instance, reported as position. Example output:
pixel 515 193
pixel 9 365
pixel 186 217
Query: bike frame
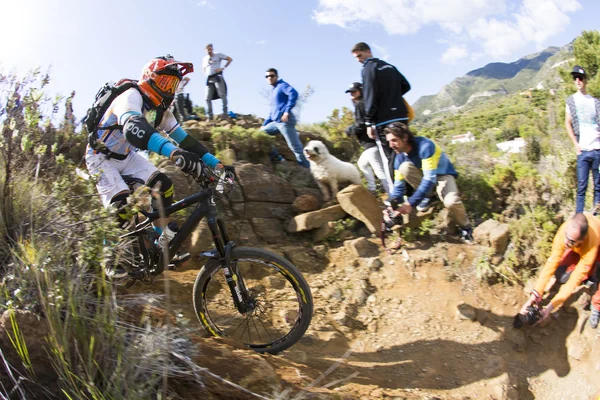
pixel 207 208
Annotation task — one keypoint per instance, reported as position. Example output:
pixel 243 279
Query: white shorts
pixel 109 171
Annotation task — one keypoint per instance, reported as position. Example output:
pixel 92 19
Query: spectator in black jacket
pixel 369 162
pixel 383 88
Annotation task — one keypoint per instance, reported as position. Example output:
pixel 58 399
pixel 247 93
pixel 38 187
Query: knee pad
pixel 451 199
pixel 124 213
pixel 166 189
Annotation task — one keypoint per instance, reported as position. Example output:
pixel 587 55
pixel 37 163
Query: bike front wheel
pixel 279 309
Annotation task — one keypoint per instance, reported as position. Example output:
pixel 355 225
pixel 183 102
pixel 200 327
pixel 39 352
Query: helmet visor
pixel 167 83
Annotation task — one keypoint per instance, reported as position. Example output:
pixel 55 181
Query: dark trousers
pixel 586 161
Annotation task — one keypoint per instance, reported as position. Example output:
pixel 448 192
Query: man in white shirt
pixel 216 88
pixel 581 121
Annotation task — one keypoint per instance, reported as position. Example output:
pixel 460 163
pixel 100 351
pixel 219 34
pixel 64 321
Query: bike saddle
pixel 131 180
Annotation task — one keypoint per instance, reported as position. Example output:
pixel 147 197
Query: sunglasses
pixel 270 76
pixel 580 77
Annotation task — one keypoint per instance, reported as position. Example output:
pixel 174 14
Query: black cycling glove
pixel 188 162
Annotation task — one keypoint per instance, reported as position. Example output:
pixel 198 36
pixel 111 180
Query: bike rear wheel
pixel 280 306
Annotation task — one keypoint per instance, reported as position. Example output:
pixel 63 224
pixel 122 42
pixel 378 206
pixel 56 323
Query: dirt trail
pixel 425 329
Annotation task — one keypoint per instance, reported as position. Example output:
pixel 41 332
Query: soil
pixel 419 325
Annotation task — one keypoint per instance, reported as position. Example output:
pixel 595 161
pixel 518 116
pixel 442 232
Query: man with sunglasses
pixel 574 260
pixel 216 88
pixel 281 119
pixel 132 121
pixel 582 117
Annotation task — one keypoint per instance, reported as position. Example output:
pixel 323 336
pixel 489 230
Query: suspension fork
pixel 239 292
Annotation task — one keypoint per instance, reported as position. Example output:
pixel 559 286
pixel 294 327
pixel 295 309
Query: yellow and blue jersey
pixel 429 158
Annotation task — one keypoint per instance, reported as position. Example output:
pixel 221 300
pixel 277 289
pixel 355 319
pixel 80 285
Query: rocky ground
pixel 413 325
pixel 416 325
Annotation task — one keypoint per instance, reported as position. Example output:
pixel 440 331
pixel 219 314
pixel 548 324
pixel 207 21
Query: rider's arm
pixel 430 155
pixel 186 142
pixel 136 129
pixel 558 248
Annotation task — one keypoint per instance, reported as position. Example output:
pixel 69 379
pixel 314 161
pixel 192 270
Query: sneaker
pixel 466 233
pixel 594 318
pixel 427 203
pixel 117 272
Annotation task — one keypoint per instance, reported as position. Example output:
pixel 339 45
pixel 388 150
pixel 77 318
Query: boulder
pixel 493 234
pixel 315 219
pixel 253 209
pixel 268 229
pixel 316 193
pixel 305 203
pixel 305 259
pixel 259 184
pixel 362 247
pixel 323 232
pixel 499 238
pixel 362 205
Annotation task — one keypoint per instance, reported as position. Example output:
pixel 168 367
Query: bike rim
pixel 277 311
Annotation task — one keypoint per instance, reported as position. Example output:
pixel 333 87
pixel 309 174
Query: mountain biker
pixel 133 120
pixel 574 258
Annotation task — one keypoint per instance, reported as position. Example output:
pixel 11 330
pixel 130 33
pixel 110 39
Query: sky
pixel 86 43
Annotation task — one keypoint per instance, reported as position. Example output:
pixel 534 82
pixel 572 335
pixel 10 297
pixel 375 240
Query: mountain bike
pixel 250 295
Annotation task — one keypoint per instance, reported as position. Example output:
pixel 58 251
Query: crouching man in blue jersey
pixel 133 121
pixel 423 164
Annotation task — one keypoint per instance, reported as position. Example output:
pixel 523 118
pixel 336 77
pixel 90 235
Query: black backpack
pixel 105 96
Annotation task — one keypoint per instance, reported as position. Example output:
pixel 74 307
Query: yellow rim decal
pixel 286 273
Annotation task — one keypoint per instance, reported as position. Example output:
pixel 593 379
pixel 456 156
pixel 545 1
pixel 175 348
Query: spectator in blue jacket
pixel 422 164
pixel 283 98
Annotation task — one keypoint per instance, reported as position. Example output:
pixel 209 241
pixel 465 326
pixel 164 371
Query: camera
pixel 390 220
pixel 532 315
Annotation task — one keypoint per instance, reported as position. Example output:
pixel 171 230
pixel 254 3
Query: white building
pixel 512 146
pixel 465 137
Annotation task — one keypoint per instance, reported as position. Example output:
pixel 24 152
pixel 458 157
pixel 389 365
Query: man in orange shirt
pixel 575 257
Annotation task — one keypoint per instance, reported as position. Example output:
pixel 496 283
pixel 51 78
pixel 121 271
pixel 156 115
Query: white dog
pixel 327 170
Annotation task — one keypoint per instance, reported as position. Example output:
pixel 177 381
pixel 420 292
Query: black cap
pixel 354 87
pixel 577 70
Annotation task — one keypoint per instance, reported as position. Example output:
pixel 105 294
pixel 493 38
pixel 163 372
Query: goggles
pixel 167 84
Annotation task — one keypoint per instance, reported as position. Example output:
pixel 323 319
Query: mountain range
pixel 534 71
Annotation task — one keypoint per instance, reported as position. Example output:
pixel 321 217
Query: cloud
pixel 382 51
pixel 205 3
pixel 454 53
pixel 257 42
pixel 499 27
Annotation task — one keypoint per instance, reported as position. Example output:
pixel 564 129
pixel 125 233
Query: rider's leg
pixel 163 184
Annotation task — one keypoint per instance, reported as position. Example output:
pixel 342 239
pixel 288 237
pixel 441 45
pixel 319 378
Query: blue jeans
pixel 586 161
pixel 288 130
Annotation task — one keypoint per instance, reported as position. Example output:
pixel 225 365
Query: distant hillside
pixel 533 71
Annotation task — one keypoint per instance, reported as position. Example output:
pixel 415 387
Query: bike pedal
pixel 180 258
pixel 172 267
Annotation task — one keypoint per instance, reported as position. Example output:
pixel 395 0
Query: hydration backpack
pixel 105 96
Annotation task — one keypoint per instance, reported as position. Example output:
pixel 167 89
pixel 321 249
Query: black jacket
pixel 359 129
pixel 383 88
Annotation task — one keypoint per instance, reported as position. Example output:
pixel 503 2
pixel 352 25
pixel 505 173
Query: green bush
pixel 250 144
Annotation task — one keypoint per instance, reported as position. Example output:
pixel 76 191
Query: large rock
pixel 499 238
pixel 305 203
pixel 268 229
pixel 316 193
pixel 305 259
pixel 263 210
pixel 259 184
pixel 362 205
pixel 323 232
pixel 493 234
pixel 315 219
pixel 362 247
